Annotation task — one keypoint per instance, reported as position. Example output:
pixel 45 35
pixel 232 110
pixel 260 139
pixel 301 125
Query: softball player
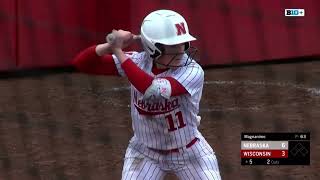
pixel 166 88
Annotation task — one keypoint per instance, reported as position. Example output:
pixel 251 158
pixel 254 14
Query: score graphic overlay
pixel 275 149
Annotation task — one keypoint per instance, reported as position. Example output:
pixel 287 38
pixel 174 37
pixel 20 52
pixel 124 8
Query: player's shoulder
pixel 192 69
pixel 193 66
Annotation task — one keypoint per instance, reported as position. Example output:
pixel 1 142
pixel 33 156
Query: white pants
pixel 190 163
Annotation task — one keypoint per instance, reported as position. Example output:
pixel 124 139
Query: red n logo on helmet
pixel 180 29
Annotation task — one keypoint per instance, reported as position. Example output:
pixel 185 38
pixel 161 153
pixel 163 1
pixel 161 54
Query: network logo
pixel 294 12
pixel 299 149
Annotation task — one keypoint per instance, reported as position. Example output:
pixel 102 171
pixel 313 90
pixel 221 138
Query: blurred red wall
pixel 7 35
pixel 237 31
pixel 43 33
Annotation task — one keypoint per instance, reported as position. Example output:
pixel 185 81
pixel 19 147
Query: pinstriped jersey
pixel 166 123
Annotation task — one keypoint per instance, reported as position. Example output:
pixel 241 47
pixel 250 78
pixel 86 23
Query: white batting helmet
pixel 164 27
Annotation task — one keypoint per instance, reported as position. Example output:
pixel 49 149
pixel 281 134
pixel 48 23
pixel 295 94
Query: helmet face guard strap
pixel 190 53
pixel 156 55
pixel 161 50
pixel 158 52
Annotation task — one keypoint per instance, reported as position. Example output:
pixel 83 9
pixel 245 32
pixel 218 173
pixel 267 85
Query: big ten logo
pixel 294 12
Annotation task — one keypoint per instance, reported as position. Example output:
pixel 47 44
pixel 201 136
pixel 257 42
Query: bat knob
pixel 110 38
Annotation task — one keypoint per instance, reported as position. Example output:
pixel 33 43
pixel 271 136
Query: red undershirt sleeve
pixel 141 80
pixel 138 78
pixel 89 62
pixel 176 88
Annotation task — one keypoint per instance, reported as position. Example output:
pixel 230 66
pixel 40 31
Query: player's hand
pixel 122 39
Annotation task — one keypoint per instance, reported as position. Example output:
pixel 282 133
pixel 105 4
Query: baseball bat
pixel 111 38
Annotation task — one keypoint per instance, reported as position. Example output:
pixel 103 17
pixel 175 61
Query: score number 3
pixel 181 123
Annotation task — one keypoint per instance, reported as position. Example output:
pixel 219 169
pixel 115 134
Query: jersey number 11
pixel 181 123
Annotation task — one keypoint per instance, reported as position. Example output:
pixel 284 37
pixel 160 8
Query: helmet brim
pixel 177 40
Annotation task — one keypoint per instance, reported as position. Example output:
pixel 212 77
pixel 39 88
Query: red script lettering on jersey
pixel 155 107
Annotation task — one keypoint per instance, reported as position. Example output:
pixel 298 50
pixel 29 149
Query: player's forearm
pixel 88 61
pixel 103 49
pixel 122 57
pixel 138 78
pixel 142 81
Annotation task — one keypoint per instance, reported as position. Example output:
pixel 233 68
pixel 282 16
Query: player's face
pixel 172 55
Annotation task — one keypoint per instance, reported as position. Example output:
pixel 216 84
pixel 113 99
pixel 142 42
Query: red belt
pixel 176 150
